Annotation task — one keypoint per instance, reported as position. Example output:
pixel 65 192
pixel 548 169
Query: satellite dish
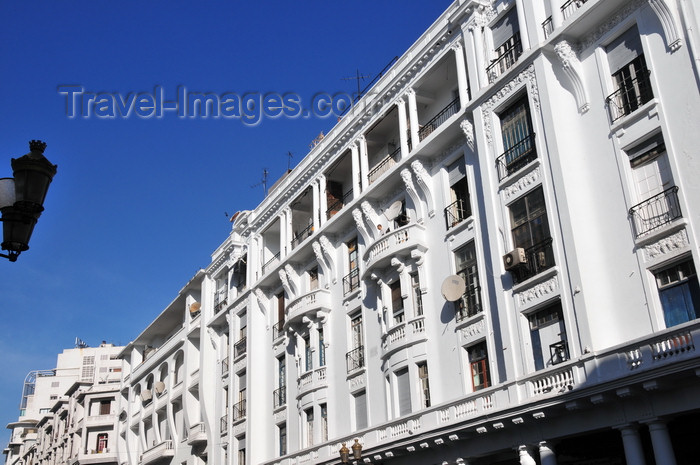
pixel 393 211
pixel 453 287
pixel 194 308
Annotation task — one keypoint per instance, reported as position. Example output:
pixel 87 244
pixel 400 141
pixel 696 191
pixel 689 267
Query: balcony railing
pixel 355 359
pixel 444 114
pixel 632 94
pixel 516 157
pixel 275 258
pixel 539 257
pixel 223 424
pixel 221 299
pixel 567 9
pixel 158 452
pixel 300 236
pixel 239 410
pixel 469 304
pixel 279 397
pixel 224 367
pixel 384 165
pixel 338 205
pixel 506 59
pixel 240 347
pixel 655 212
pixel 277 330
pixel 351 281
pixel 456 212
pixel 197 434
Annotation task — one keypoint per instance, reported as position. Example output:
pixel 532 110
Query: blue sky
pixel 138 204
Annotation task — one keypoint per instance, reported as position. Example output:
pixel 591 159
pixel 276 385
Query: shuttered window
pixel 361 410
pixel 403 387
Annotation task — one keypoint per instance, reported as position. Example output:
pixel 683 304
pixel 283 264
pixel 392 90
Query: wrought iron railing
pixel 279 397
pixel 539 257
pixel 355 359
pixel 567 9
pixel 223 424
pixel 301 235
pixel 239 410
pixel 278 329
pixel 224 367
pixel 275 258
pixel 632 94
pixel 516 157
pixel 351 281
pixel 384 165
pixel 444 114
pixel 221 299
pixel 506 59
pixel 457 211
pixel 656 211
pixel 547 27
pixel 469 304
pixel 338 205
pixel 240 347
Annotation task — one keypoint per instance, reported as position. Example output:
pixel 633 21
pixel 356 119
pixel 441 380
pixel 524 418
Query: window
pixel 459 208
pixel 530 231
pixel 280 394
pixel 403 389
pixel 280 312
pixel 396 302
pixel 417 294
pixel 351 281
pixel 506 44
pixel 282 439
pixel 629 73
pixel 309 414
pixel 105 407
pixel 653 182
pixel 470 302
pixel 308 362
pixel 321 349
pixel 402 218
pixel 241 450
pixel 479 366
pixel 360 401
pixel 101 443
pixel 518 139
pixel 324 422
pixel 679 293
pixel 238 277
pixel 313 279
pixel 548 335
pixel 239 410
pixel 355 357
pixel 424 384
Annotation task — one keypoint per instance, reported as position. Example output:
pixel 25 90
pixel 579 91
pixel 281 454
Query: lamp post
pixel 356 452
pixel 22 198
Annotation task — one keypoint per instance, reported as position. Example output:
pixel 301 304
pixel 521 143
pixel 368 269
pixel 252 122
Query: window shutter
pixel 456 171
pixel 404 388
pixel 624 49
pixel 505 28
pixel 361 410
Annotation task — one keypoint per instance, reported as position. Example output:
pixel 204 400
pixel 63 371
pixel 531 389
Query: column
pixel 557 15
pixel 634 453
pixel 413 117
pixel 323 202
pixel 477 31
pixel 316 207
pixel 547 455
pixel 661 442
pixel 471 56
pixel 364 163
pixel 525 457
pixel 462 83
pixel 403 127
pixel 522 25
pixel 356 184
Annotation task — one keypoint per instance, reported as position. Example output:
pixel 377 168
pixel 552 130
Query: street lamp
pixel 356 452
pixel 22 198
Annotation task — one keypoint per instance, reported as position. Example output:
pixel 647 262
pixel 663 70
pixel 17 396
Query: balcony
pixel 403 335
pixel 393 244
pixel 567 9
pixel 239 410
pixel 428 128
pixel 337 205
pixel 223 424
pixel 224 367
pixel 516 157
pixel 279 397
pixel 302 235
pixel 469 304
pixel 312 380
pixel 456 212
pixel 355 359
pixel 220 299
pixel 100 420
pixel 161 451
pixel 277 330
pixel 270 263
pixel 351 281
pixel 632 94
pixel 107 455
pixel 307 305
pixel 384 165
pixel 197 434
pixel 539 257
pixel 656 211
pixel 240 347
pixel 509 54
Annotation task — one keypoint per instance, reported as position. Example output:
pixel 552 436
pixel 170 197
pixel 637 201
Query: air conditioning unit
pixel 514 258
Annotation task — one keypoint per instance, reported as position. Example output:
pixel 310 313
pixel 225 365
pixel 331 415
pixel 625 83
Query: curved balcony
pixel 311 381
pixel 393 244
pixel 161 451
pixel 198 434
pixel 307 305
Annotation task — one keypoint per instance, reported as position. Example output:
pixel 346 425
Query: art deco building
pixel 489 260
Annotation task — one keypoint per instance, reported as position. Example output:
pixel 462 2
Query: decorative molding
pixel 666 245
pixel 613 20
pixel 321 261
pixel 398 264
pixel 281 415
pixel 358 382
pixel 525 78
pixel 539 291
pixel 262 300
pixel 574 71
pixel 515 189
pixel 239 365
pixel 372 217
pixel 285 283
pixel 360 223
pixel 411 190
pixel 468 129
pixel 423 178
pixel 293 278
pixel 329 251
pixel 474 329
pixel 669 22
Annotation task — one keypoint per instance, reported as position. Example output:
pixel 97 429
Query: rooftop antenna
pixel 80 344
pixel 289 160
pixel 263 181
pixel 358 77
